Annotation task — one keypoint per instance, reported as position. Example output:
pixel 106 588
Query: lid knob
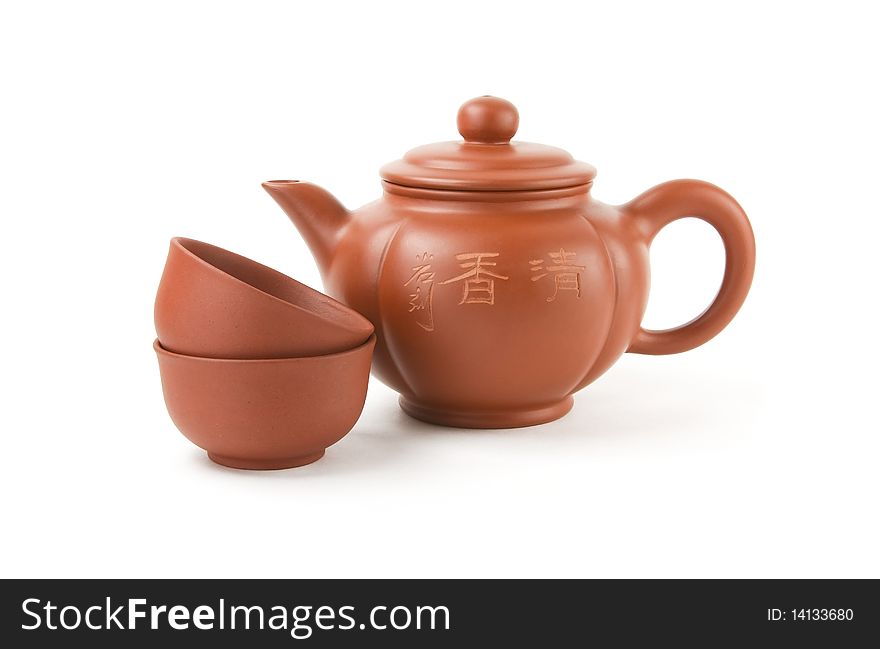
pixel 488 120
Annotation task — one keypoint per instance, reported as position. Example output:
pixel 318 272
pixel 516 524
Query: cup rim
pixel 161 351
pixel 343 309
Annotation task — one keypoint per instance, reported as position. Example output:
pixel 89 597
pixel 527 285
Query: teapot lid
pixel 487 160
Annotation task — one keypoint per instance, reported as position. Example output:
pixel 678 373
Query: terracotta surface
pixel 214 303
pixel 497 284
pixel 265 414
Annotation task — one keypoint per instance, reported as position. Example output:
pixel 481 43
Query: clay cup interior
pixel 269 413
pixel 217 304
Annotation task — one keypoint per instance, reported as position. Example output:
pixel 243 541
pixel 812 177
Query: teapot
pixel 497 284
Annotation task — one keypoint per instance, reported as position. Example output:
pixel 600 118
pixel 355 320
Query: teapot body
pixel 491 310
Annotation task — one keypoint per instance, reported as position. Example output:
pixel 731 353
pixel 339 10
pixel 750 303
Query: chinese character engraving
pixel 479 281
pixel 566 275
pixel 422 299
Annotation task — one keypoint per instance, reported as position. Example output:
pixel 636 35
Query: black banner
pixel 436 613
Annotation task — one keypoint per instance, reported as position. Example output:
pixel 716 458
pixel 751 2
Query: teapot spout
pixel 315 212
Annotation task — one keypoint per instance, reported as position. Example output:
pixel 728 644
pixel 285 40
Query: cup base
pixel 507 419
pixel 265 465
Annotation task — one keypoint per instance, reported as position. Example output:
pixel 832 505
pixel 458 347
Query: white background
pixel 124 124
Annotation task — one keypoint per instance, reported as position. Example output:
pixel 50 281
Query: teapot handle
pixel 678 199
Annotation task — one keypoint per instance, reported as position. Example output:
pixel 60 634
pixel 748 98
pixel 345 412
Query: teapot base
pixel 486 419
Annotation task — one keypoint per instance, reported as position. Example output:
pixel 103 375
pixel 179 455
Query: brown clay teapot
pixel 497 284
